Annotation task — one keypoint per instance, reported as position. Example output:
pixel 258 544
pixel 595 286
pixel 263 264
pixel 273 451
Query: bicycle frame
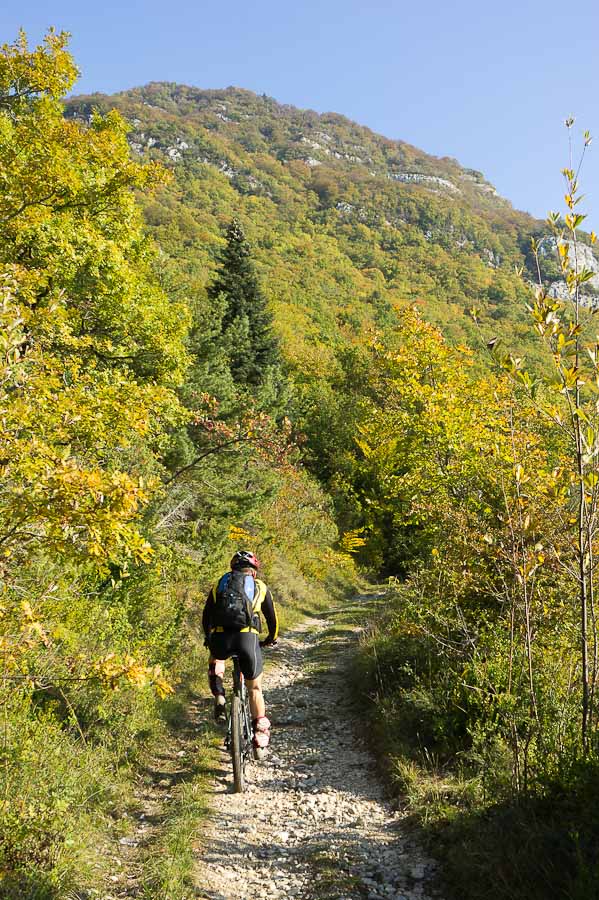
pixel 239 728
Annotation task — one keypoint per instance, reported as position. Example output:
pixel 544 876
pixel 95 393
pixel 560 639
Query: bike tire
pixel 237 744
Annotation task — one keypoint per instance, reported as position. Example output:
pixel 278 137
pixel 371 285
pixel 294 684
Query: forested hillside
pixel 227 323
pixel 142 443
pixel 346 225
pixel 347 229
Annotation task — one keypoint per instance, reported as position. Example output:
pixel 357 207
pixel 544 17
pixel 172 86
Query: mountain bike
pixel 239 728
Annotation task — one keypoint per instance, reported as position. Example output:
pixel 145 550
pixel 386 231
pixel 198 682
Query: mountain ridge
pixel 347 225
pixel 309 118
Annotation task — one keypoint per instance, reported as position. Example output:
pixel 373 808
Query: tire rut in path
pixel 314 822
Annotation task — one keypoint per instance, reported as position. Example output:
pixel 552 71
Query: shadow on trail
pixel 178 764
pixel 24 886
pixel 160 800
pixel 320 774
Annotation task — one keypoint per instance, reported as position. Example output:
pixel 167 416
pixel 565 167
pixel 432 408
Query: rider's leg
pixel 216 670
pixel 256 696
pixel 250 659
pixel 260 724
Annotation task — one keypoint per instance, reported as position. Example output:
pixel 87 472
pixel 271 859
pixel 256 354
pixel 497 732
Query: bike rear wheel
pixel 237 744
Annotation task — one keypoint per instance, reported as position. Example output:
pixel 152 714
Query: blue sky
pixel 489 84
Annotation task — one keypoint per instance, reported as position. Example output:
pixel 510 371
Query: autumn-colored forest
pixel 227 323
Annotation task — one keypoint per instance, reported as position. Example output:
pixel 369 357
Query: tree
pixel 567 400
pixel 247 332
pixel 574 411
pixel 94 347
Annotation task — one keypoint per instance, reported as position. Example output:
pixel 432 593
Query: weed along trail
pixel 314 822
pixel 151 854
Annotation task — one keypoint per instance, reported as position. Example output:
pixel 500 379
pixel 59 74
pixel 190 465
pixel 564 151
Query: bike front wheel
pixel 237 744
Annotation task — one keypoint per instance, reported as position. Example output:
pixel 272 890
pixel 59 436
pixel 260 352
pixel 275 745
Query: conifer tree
pixel 247 323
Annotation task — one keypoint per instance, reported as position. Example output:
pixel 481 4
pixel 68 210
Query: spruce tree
pixel 247 332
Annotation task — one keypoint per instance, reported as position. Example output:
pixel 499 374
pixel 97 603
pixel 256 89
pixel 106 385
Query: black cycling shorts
pixel 245 644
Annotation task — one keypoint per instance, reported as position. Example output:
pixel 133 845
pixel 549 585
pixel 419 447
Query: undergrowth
pixel 168 863
pixel 70 757
pixel 493 844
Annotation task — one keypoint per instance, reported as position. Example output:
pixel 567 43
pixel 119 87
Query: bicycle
pixel 239 728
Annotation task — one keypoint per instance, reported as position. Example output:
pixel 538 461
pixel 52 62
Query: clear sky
pixel 487 83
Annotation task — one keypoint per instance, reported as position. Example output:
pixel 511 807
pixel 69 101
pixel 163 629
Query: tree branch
pixel 202 456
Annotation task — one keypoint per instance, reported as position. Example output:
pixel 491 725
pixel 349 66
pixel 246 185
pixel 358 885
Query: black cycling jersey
pixel 263 604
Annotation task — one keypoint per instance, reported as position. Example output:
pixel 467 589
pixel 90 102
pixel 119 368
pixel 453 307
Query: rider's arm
pixel 207 612
pixel 270 617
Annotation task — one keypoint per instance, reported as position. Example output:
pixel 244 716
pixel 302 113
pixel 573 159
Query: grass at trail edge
pixel 543 847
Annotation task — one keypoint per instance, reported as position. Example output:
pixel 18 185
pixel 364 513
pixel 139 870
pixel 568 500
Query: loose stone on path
pixel 314 822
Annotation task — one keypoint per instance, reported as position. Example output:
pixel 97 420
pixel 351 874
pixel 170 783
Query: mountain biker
pixel 228 632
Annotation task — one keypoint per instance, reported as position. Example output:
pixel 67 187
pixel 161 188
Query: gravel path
pixel 314 822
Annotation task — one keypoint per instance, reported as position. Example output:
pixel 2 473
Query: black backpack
pixel 233 608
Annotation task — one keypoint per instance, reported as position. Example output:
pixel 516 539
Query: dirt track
pixel 314 822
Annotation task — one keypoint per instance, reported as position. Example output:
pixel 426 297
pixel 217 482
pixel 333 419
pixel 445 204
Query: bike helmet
pixel 244 559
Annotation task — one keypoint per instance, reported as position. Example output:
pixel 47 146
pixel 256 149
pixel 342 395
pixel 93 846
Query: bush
pixel 54 790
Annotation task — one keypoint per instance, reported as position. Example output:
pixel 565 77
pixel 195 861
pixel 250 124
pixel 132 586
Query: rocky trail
pixel 314 822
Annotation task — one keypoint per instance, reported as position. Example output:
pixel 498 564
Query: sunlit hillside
pixel 347 225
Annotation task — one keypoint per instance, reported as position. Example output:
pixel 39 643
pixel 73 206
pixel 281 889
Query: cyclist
pixel 231 623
